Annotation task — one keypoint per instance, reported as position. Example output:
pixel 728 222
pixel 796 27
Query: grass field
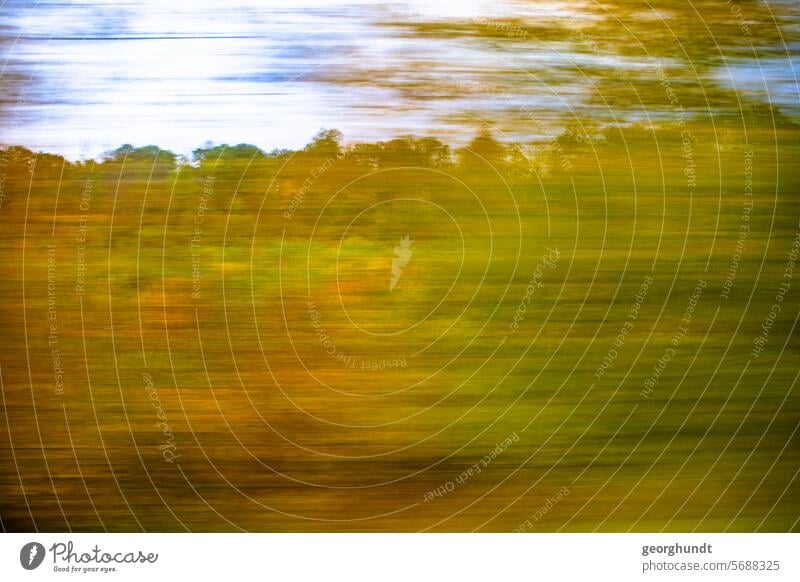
pixel 597 332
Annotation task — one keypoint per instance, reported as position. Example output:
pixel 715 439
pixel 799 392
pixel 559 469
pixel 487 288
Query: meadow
pixel 593 332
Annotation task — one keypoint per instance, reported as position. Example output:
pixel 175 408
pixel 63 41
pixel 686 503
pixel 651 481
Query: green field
pixel 578 334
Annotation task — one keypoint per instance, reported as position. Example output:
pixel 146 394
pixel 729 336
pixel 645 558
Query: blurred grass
pixel 276 434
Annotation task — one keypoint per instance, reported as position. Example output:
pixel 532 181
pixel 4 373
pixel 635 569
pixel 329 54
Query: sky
pixel 90 75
